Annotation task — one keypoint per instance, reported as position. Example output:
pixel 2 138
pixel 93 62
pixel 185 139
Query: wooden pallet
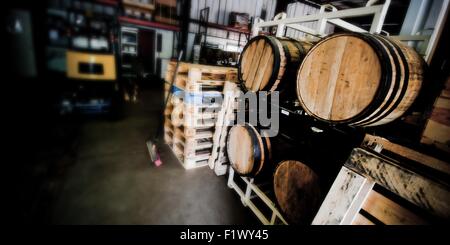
pixel 168 126
pixel 219 160
pixel 200 78
pixel 168 131
pixel 191 142
pixel 376 187
pixel 198 116
pixel 194 109
pixel 194 116
pixel 192 152
pixel 210 72
pixel 437 129
pixel 396 151
pixel 199 140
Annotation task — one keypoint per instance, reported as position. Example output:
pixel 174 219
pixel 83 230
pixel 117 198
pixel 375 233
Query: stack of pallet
pixel 191 114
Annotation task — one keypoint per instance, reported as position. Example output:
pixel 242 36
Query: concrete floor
pixel 112 181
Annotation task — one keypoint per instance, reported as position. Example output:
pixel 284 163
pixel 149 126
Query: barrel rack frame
pixel 362 184
pixel 247 196
pixel 281 23
pixel 329 14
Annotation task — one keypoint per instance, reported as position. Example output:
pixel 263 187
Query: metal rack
pixel 324 16
pixel 251 192
pixel 329 14
pixel 129 47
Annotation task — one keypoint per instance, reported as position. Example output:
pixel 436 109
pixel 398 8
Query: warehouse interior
pixel 228 112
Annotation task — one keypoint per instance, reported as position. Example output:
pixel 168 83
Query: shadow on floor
pixel 103 175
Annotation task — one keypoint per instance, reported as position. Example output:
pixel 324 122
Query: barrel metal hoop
pixel 256 150
pixel 405 82
pixel 385 78
pixel 380 114
pixel 406 78
pixel 291 67
pixel 274 43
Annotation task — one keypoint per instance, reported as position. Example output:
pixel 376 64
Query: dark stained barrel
pixel 248 152
pixel 297 191
pixel 268 63
pixel 359 79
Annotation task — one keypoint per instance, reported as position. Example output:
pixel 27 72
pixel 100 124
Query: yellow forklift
pixel 91 63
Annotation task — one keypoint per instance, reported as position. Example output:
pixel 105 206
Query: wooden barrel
pixel 359 79
pixel 297 191
pixel 248 152
pixel 267 62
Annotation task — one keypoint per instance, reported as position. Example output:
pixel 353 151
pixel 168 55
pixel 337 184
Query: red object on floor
pixel 158 161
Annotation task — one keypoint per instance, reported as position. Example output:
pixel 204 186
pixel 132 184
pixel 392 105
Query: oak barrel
pixel 297 191
pixel 248 152
pixel 267 63
pixel 359 79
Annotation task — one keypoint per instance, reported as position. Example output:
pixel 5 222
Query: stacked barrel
pixel 296 186
pixel 352 78
pixel 355 79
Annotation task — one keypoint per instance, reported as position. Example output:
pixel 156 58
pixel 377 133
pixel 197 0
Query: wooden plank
pixel 255 63
pixel 442 102
pixel 177 117
pixel 437 129
pixel 221 127
pixel 417 189
pixel 362 220
pixel 267 72
pixel 358 202
pixel 441 115
pixel 339 59
pixel 345 190
pixel 372 142
pixel 185 67
pixel 263 65
pixel 247 60
pixel 390 212
pixel 437 134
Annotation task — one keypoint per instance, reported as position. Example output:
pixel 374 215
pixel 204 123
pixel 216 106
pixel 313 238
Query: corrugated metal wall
pixel 300 9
